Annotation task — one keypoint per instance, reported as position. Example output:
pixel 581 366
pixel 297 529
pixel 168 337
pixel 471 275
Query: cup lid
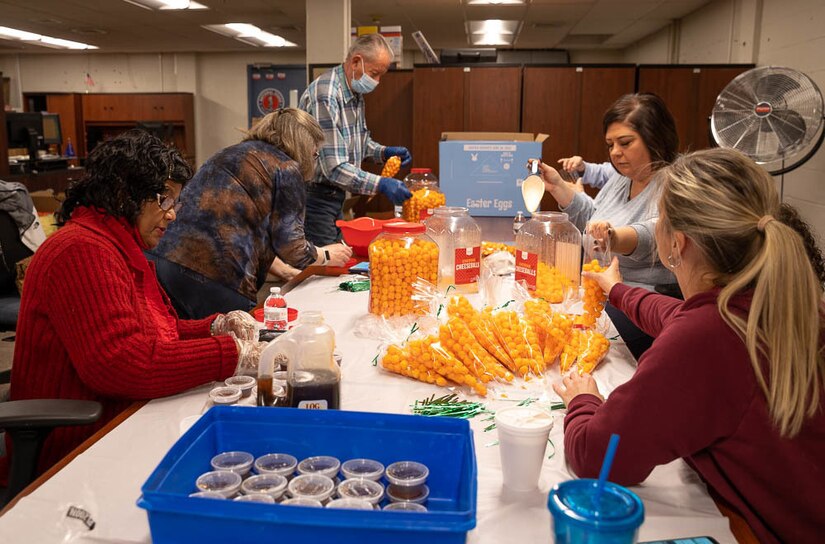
pixel 617 509
pixel 268 484
pixel 311 486
pixel 241 382
pixel 236 461
pixel 321 464
pixel 524 420
pixel 407 473
pixel 224 482
pixel 277 463
pixel 225 394
pixel 362 468
pixel 360 488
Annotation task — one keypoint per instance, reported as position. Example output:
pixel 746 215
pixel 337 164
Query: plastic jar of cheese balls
pixel 548 255
pixel 426 196
pixel 458 237
pixel 399 255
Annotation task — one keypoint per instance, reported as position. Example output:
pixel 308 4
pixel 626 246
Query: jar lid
pixel 616 509
pixel 405 228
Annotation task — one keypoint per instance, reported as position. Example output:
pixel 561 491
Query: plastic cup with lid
pixel 256 497
pixel 362 468
pixel 276 463
pixel 311 486
pixel 235 461
pixel 225 482
pixel 207 495
pixel 522 436
pixel 350 504
pixel 405 507
pixel 407 479
pixel 324 465
pixel 244 383
pixel 301 501
pixel 273 485
pixel 225 394
pixel 362 489
pixel 581 513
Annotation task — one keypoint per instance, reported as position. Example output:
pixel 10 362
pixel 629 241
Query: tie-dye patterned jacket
pixel 244 207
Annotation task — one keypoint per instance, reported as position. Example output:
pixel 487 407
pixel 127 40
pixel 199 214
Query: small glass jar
pixel 225 482
pixel 548 256
pixel 426 196
pixel 244 383
pixel 362 468
pixel 276 463
pixel 400 255
pixel 407 479
pixel 235 461
pixel 311 486
pixel 273 485
pixel 324 465
pixel 458 237
pixel 362 489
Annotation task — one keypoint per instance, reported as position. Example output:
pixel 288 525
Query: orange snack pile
pixel 421 200
pixel 411 361
pixel 456 338
pixel 391 167
pixel 594 297
pixel 488 248
pixel 395 264
pixel 558 336
pixel 461 308
pixel 551 284
pixel 448 365
pixel 521 341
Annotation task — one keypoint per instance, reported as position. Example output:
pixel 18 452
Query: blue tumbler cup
pixel 582 515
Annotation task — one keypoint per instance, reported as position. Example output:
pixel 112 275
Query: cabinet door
pixel 711 82
pixel 68 107
pixel 492 99
pixel 109 107
pixel 438 106
pixel 161 107
pixel 600 88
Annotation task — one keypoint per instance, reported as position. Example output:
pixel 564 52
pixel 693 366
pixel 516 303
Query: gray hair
pixel 369 46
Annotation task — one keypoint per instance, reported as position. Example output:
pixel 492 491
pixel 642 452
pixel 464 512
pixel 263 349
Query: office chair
pixel 28 423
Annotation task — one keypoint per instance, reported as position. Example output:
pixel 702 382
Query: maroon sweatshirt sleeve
pixel 97 314
pixel 679 401
pixel 647 310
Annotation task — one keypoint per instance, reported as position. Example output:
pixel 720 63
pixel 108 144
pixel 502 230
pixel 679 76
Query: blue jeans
pixel 636 340
pixel 193 295
pixel 325 205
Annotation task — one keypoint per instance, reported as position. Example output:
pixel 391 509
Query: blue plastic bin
pixel 444 445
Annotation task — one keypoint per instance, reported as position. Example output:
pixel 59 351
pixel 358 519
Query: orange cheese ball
pixel 410 362
pixel 586 348
pixel 558 336
pixel 537 313
pixel 488 248
pixel 456 338
pixel 461 308
pixel 594 297
pixel 551 285
pixel 421 200
pixel 449 366
pixel 395 264
pixel 391 167
pixel 521 341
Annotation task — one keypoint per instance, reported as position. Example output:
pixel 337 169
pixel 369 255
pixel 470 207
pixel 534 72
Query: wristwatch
pixel 326 257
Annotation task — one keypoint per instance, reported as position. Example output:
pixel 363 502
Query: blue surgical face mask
pixel 365 84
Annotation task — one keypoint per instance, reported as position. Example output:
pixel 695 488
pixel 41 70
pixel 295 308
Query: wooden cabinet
pixel 568 103
pixel 469 99
pixel 690 93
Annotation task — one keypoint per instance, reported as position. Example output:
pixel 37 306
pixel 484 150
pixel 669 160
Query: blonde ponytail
pixel 720 200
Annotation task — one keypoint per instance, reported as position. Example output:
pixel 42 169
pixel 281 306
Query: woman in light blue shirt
pixel 640 134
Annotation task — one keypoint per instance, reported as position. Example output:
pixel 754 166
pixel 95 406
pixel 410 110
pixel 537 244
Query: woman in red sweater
pixel 94 323
pixel 733 382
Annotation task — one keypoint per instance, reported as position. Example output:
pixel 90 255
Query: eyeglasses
pixel 166 203
pixel 316 154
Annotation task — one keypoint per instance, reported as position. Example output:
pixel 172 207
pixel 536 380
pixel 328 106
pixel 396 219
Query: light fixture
pixel 37 39
pixel 166 4
pixel 495 2
pixel 492 32
pixel 492 38
pixel 250 35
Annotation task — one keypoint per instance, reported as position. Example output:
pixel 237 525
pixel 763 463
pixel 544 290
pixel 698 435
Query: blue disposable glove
pixel 401 152
pixel 395 190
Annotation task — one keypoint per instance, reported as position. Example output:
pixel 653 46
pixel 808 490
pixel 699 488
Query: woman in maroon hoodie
pixel 733 382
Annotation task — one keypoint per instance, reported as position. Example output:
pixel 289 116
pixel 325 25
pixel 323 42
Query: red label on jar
pixel 526 268
pixel 467 264
pixel 425 213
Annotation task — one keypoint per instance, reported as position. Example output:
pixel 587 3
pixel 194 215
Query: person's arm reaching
pixel 286 221
pixel 595 175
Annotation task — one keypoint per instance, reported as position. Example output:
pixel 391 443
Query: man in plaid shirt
pixel 336 100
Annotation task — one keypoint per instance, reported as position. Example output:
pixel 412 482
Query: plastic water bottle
pixel 518 222
pixel 275 311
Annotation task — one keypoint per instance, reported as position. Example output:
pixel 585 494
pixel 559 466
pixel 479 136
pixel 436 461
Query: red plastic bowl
pixel 358 233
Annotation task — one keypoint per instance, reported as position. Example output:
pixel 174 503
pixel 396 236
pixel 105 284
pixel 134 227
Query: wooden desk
pixel 58 180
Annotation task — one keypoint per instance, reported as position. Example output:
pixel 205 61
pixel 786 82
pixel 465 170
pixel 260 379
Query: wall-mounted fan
pixel 770 114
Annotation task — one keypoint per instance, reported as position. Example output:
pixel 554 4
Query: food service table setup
pixel 105 480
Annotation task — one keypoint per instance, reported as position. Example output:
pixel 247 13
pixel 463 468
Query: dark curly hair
pixel 648 115
pixel 123 173
pixel 790 216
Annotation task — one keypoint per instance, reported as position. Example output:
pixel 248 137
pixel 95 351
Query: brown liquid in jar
pixel 265 395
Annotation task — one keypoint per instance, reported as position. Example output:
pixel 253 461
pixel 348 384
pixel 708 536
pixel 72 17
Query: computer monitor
pixel 51 129
pixel 25 130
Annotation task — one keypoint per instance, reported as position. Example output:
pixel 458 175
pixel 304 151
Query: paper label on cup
pixel 313 404
pixel 526 268
pixel 467 265
pixel 524 418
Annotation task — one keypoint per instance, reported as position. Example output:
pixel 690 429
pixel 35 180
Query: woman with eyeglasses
pixel 244 217
pixel 94 323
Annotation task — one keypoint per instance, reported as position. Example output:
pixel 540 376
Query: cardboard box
pixel 483 171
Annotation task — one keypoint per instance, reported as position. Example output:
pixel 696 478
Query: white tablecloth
pixel 106 479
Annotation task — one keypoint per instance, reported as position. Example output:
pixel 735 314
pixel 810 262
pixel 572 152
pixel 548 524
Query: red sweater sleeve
pixel 195 328
pixel 650 311
pixel 681 399
pixel 102 321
